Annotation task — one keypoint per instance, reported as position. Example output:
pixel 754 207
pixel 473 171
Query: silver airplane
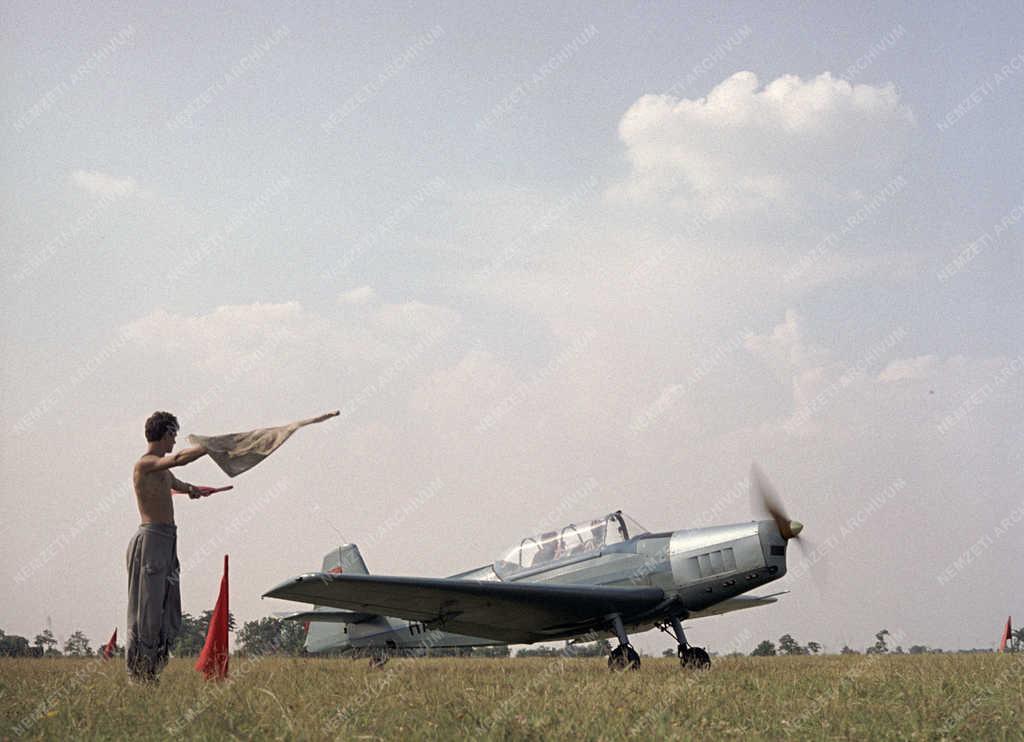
pixel 602 577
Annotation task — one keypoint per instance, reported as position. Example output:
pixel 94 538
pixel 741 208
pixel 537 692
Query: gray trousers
pixel 154 598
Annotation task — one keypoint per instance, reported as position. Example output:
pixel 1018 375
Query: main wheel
pixel 694 658
pixel 624 657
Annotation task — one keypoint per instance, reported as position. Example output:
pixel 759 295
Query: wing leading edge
pixel 510 612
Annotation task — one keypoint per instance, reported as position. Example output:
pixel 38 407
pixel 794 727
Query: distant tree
pixel 12 645
pixel 77 645
pixel 47 643
pixel 764 649
pixel 789 645
pixel 192 636
pixel 898 650
pixel 880 646
pixel 293 638
pixel 919 649
pixel 257 637
pixel 670 652
pixel 271 635
pixel 846 650
pixel 449 652
pixel 600 648
pixel 813 647
pixel 539 652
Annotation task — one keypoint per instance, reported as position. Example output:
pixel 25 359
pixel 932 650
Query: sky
pixel 549 262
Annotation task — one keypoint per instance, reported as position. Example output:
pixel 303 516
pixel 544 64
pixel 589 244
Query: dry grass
pixel 847 697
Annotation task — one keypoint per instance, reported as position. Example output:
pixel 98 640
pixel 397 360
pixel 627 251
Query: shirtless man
pixel 154 596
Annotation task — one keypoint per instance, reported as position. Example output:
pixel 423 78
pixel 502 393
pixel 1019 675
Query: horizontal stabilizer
pixel 326 616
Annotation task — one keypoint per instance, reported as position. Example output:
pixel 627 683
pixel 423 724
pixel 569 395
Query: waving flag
pixel 235 453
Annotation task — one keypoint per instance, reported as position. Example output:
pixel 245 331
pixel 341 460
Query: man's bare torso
pixel 153 494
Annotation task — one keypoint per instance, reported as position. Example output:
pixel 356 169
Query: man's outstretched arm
pixel 171 460
pixel 195 491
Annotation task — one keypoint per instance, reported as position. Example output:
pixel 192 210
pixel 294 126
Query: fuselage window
pixel 716 562
pixel 705 564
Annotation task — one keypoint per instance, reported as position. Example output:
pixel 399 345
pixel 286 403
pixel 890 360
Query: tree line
pixel 263 636
pixel 271 635
pixel 789 646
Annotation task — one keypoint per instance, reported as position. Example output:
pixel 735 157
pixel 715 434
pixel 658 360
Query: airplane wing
pixel 737 603
pixel 326 616
pixel 515 612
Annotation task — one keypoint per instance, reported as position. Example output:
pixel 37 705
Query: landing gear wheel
pixel 378 660
pixel 694 658
pixel 623 657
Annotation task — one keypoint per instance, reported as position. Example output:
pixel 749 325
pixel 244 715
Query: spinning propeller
pixel 767 499
pixel 764 494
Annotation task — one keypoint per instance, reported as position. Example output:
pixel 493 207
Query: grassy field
pixel 835 697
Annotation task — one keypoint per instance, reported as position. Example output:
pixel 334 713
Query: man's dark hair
pixel 158 424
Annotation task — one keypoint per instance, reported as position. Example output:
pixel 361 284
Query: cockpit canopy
pixel 584 538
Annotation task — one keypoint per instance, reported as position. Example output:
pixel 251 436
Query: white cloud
pixel 361 295
pixel 772 148
pixel 218 341
pixel 903 369
pixel 413 317
pixel 290 335
pixel 104 184
pixel 786 349
pixel 823 383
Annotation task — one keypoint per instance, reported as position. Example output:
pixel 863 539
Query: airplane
pixel 602 577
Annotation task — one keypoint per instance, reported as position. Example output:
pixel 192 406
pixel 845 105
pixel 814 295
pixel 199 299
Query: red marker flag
pixel 111 646
pixel 1007 633
pixel 213 660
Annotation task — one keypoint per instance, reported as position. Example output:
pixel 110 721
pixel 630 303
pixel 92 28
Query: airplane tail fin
pixel 345 559
pixel 326 635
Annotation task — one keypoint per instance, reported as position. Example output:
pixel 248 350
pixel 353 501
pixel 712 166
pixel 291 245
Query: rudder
pixel 345 559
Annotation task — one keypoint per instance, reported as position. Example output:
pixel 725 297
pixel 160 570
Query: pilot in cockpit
pixel 547 548
pixel 596 540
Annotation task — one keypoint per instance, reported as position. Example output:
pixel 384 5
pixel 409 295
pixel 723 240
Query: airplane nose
pixel 795 527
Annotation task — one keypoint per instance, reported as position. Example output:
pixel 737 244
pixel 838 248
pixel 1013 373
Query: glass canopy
pixel 584 538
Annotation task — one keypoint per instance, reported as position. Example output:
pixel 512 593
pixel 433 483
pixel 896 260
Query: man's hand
pixel 197 491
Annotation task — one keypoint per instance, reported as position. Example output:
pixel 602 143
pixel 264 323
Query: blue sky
pixel 612 245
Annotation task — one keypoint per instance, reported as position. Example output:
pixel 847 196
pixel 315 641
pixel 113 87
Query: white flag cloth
pixel 239 452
